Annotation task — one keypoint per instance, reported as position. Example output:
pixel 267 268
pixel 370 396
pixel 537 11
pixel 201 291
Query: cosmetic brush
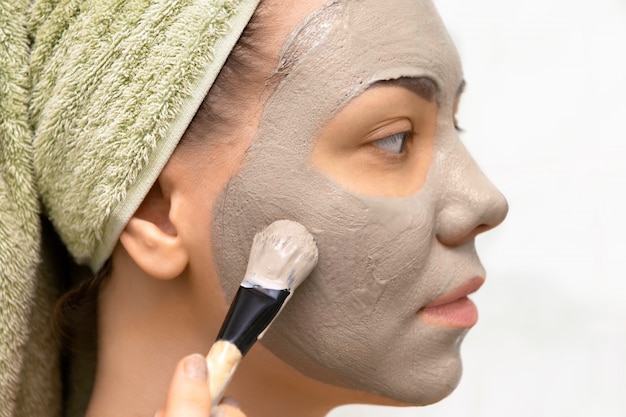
pixel 281 257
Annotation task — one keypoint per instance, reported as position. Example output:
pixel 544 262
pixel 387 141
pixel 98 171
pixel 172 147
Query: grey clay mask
pixel 354 321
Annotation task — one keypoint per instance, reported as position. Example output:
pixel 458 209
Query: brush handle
pixel 252 310
pixel 222 361
pixel 250 313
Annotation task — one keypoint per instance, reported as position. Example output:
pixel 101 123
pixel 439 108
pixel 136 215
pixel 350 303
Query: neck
pixel 146 326
pixel 266 386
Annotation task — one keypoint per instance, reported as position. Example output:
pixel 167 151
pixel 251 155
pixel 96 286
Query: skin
pixel 189 392
pixel 394 230
pixel 163 300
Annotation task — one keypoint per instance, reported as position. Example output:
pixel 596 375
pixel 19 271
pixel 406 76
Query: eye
pixel 394 143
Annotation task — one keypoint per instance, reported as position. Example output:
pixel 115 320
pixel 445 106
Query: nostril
pixel 495 214
pixel 483 228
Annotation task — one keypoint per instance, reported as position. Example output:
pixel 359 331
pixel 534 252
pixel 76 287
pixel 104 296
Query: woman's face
pixel 358 144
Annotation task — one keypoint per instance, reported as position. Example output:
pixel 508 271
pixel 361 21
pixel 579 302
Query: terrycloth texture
pixel 40 392
pixel 29 374
pixel 115 84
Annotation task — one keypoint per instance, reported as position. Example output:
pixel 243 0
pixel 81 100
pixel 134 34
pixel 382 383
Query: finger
pixel 227 410
pixel 189 394
pixel 229 401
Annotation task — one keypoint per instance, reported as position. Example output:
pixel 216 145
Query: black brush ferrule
pixel 252 310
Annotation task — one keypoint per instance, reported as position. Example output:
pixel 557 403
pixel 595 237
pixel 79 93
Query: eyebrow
pixel 422 86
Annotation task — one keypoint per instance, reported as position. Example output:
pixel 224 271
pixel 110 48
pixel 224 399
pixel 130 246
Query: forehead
pixel 356 43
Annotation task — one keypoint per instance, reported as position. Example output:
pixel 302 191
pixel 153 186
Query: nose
pixel 469 203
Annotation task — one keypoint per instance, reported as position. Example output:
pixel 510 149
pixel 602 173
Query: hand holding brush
pixel 281 257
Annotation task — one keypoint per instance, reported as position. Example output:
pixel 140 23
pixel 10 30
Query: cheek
pixel 373 252
pixel 362 239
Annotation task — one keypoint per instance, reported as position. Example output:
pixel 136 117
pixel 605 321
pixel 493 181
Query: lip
pixel 453 309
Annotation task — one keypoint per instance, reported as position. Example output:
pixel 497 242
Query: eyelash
pixel 390 143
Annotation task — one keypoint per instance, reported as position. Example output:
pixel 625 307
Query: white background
pixel 545 117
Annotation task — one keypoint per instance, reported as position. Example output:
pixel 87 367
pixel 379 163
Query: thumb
pixel 227 408
pixel 189 394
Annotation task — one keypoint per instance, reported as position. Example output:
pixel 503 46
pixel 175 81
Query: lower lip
pixel 460 313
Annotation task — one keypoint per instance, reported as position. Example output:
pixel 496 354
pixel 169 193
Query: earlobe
pixel 159 254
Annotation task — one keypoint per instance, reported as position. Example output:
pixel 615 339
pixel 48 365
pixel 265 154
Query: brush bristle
pixel 282 256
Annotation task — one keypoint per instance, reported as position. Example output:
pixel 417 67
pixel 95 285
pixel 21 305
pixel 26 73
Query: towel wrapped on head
pixel 115 85
pixel 112 86
pixel 30 382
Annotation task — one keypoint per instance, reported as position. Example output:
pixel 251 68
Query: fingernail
pixel 195 367
pixel 230 401
pixel 218 412
pixel 222 410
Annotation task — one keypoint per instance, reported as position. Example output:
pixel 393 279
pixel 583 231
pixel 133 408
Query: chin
pixel 421 395
pixel 424 387
pixel 417 381
pixel 426 376
pixel 411 391
pixel 412 366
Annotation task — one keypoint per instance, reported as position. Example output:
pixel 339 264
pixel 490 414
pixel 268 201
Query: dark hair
pixel 76 311
pixel 74 318
pixel 220 110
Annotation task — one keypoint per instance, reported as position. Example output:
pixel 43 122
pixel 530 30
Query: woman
pixel 339 115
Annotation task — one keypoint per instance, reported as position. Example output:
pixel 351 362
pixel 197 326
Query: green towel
pixel 115 85
pixel 94 97
pixel 29 371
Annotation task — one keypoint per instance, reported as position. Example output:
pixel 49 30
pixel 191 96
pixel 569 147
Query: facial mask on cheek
pixel 354 321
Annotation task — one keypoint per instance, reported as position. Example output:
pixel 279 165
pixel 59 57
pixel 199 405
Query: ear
pixel 151 239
